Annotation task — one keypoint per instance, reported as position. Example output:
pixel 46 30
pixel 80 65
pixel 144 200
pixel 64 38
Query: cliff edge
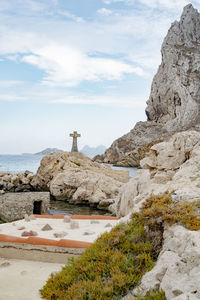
pixel 174 102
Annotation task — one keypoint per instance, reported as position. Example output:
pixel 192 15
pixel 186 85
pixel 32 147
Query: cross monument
pixel 75 135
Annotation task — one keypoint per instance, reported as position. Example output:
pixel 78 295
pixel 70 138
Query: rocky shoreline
pixel 16 182
pixel 70 177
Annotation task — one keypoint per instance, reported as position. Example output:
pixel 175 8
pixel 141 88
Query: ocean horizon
pixel 19 163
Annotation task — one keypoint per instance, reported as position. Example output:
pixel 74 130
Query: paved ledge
pixel 46 247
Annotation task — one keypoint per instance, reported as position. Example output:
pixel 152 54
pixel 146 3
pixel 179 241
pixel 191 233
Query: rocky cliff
pixel 174 102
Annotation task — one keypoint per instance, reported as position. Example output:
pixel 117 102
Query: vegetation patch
pixel 117 261
pixel 160 209
pixel 152 295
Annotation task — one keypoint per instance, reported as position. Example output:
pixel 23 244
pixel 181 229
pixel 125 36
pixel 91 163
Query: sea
pixel 30 162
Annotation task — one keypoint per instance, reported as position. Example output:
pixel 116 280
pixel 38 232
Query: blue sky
pixel 83 65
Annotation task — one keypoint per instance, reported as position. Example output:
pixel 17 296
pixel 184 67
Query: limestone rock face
pixel 175 93
pixel 174 102
pixel 172 166
pixel 178 267
pixel 76 178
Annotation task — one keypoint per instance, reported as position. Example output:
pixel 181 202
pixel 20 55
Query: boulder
pixel 76 178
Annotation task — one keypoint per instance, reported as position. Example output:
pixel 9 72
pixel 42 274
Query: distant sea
pixel 31 162
pixel 19 163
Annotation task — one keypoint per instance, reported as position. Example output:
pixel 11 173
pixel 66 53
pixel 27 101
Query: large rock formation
pixel 76 178
pixel 174 102
pixel 171 166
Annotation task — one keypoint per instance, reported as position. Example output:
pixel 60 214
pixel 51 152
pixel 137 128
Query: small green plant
pixel 152 295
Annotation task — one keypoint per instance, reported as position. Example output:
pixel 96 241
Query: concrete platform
pixel 47 246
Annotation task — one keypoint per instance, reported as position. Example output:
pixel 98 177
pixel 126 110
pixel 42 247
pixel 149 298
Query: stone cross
pixel 75 135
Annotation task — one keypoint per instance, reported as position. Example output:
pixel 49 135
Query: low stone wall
pixel 13 206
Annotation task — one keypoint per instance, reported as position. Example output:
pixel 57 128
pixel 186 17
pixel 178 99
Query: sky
pixel 84 65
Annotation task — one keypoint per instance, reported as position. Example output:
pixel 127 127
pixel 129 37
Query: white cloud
pixel 68 66
pixel 104 11
pixel 70 16
pixel 71 51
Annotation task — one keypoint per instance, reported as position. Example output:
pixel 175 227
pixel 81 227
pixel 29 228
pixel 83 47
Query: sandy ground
pixel 88 230
pixel 22 279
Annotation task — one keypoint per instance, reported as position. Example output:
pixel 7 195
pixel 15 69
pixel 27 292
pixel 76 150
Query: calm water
pixel 62 207
pixel 19 163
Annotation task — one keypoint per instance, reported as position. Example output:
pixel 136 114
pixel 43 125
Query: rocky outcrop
pixel 171 166
pixel 76 178
pixel 16 182
pixel 178 267
pixel 174 102
pixel 132 147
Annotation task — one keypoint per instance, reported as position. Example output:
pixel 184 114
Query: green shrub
pixel 159 209
pixel 117 261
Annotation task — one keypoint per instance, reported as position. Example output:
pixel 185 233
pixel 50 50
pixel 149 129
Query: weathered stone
pixel 5 264
pixel 21 228
pixel 74 224
pixel 27 218
pixel 67 219
pixel 29 233
pixel 14 179
pixel 46 227
pixel 60 234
